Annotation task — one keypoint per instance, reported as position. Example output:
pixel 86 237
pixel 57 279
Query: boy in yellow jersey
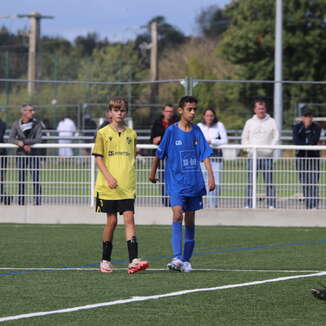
pixel 115 152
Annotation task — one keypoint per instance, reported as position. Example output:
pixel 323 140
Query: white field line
pixel 161 269
pixel 48 269
pixel 158 296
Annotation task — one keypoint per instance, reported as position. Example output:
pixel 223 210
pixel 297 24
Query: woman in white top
pixel 216 135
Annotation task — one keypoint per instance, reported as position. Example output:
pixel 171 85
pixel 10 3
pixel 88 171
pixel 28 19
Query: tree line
pixel 233 43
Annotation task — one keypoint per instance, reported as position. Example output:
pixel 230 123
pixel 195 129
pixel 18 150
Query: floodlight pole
pixel 278 59
pixel 154 61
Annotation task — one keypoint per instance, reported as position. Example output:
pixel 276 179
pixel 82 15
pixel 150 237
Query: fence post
pixel 187 85
pixel 254 177
pixel 92 179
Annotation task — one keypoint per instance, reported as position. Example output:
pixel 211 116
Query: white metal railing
pixel 284 181
pixel 144 137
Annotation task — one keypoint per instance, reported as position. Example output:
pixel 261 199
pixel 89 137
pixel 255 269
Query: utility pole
pixel 33 48
pixel 33 72
pixel 154 62
pixel 278 73
pixel 33 52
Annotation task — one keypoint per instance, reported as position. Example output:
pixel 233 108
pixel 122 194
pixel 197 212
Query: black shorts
pixel 115 206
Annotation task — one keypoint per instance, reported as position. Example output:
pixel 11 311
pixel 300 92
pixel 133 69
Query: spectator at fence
pixel 167 118
pixel 66 128
pixel 46 125
pixel 261 129
pixel 89 130
pixel 89 126
pixel 215 134
pixel 108 120
pixel 4 198
pixel 26 132
pixel 306 132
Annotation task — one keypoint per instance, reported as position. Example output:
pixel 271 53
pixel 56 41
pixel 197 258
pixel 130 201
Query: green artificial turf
pixel 246 248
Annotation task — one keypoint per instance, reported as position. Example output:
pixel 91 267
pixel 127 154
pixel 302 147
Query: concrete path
pixel 241 217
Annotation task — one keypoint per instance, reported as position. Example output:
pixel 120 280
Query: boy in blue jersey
pixel 184 147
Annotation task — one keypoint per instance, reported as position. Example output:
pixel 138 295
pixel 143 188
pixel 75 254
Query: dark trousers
pixel 165 197
pixel 265 165
pixel 3 167
pixel 309 175
pixel 31 163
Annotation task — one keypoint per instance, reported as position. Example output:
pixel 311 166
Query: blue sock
pixel 189 243
pixel 176 239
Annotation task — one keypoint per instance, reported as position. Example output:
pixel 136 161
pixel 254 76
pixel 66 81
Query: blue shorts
pixel 187 203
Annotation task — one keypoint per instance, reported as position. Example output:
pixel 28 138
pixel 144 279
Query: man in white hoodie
pixel 66 128
pixel 261 129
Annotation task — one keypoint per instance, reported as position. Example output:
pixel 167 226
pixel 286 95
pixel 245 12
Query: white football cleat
pixel 175 265
pixel 106 266
pixel 186 267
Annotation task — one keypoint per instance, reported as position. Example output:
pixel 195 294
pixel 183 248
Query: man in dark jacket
pixel 26 132
pixel 108 119
pixel 307 132
pixel 89 130
pixel 157 132
pixel 165 120
pixel 5 199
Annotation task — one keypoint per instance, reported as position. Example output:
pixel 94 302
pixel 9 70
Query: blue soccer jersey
pixel 183 152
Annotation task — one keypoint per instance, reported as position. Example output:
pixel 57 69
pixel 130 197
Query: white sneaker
pixel 106 266
pixel 186 267
pixel 175 265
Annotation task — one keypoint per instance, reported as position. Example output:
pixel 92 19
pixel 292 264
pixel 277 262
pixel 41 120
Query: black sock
pixel 107 250
pixel 132 248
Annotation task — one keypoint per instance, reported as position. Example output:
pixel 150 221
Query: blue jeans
pixel 213 196
pixel 265 165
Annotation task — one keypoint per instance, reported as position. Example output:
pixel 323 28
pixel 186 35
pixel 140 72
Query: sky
pixel 119 20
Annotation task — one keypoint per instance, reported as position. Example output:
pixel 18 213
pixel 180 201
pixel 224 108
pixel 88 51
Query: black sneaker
pixel 319 293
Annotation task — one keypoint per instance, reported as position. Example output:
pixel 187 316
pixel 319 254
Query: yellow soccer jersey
pixel 118 150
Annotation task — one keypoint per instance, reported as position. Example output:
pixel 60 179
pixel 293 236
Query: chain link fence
pixel 232 99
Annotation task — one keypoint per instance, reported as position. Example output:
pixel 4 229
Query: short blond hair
pixel 118 101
